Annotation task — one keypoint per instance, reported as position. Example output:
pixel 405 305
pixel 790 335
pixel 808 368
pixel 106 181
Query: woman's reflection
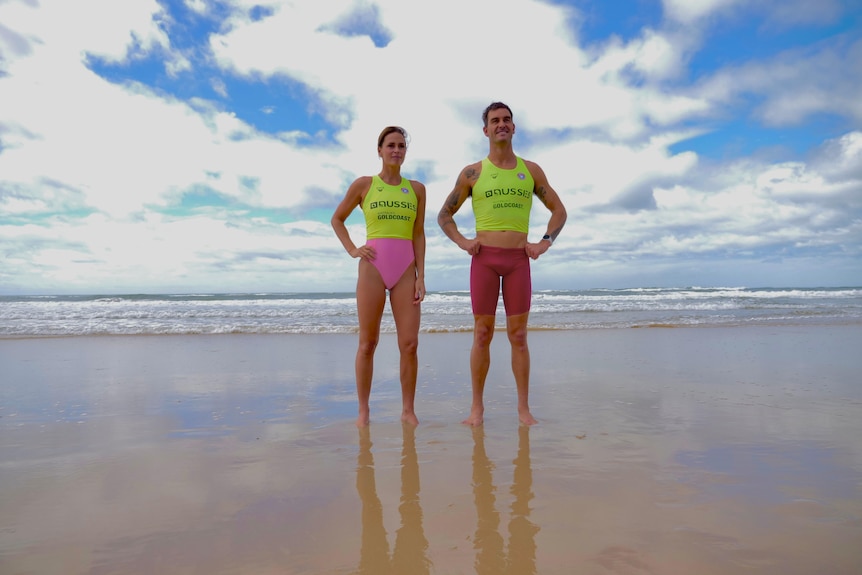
pixel 520 557
pixel 411 546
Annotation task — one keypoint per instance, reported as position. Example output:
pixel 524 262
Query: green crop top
pixel 502 198
pixel 389 210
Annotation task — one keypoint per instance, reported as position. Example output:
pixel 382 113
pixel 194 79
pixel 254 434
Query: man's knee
pixel 483 331
pixel 516 329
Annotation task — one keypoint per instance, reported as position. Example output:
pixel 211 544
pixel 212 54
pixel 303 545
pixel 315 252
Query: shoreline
pixel 389 329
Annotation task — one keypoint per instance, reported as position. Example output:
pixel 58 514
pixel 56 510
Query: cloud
pixel 128 161
pixel 796 84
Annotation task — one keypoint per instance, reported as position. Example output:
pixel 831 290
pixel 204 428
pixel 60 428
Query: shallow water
pixel 720 450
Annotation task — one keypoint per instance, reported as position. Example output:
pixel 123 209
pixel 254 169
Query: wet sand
pixel 659 451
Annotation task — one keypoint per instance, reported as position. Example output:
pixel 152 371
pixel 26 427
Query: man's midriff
pixel 502 239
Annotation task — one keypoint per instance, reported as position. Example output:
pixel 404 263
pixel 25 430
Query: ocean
pixel 446 311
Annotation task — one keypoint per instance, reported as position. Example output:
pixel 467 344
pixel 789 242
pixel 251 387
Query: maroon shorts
pixel 489 267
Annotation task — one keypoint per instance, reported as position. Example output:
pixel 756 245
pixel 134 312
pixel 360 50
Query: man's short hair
pixel 495 106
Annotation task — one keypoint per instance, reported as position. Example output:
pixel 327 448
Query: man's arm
pixel 551 200
pixel 446 217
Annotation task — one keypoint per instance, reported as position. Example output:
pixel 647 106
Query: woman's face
pixel 394 149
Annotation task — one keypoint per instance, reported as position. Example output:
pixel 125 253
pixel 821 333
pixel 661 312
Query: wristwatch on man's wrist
pixel 549 238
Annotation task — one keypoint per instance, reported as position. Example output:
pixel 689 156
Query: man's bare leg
pixel 480 362
pixel 516 328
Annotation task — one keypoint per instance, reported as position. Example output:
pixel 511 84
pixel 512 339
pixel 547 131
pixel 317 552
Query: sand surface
pixel 659 451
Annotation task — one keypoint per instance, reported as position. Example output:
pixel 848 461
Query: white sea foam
pixel 26 316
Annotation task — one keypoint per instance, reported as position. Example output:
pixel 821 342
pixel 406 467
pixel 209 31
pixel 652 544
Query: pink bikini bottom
pixel 393 257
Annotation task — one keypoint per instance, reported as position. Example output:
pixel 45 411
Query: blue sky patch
pixel 741 137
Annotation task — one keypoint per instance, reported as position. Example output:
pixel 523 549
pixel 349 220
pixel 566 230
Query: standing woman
pixel 393 258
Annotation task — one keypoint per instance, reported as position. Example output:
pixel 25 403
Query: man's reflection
pixel 411 546
pixel 520 558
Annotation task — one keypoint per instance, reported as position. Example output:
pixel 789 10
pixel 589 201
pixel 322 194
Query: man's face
pixel 500 125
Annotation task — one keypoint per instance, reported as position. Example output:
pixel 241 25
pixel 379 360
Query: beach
pixel 708 450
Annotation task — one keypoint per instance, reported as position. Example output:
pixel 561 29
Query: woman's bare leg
pixel 407 315
pixel 370 300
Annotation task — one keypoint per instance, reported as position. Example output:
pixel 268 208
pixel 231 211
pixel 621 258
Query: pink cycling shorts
pixel 489 267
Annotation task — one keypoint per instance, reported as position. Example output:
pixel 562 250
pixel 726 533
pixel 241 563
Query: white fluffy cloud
pixel 98 178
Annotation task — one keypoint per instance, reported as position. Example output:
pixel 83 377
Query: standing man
pixel 502 187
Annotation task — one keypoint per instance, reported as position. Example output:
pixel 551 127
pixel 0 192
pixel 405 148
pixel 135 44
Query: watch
pixel 549 238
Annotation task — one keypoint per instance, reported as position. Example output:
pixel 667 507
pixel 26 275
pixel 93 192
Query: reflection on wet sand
pixel 491 558
pixel 410 554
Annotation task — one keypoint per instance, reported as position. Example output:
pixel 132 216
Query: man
pixel 502 187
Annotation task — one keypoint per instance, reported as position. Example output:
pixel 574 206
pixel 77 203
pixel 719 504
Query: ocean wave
pixel 448 311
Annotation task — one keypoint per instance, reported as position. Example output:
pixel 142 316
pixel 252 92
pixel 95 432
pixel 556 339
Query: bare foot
pixel 409 417
pixel 477 417
pixel 363 419
pixel 527 418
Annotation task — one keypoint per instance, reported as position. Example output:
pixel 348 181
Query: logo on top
pixel 521 175
pixel 405 191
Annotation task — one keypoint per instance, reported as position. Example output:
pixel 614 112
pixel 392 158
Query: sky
pixel 201 146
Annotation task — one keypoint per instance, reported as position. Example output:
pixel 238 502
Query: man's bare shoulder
pixel 471 172
pixel 531 164
pixel 535 170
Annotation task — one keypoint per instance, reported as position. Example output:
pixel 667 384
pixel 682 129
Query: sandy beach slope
pixel 659 451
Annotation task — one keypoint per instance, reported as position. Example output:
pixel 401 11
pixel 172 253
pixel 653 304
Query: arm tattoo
pixel 540 193
pixel 451 202
pixel 444 218
pixel 472 174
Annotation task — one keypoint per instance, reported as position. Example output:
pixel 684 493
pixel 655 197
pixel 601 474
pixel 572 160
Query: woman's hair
pixel 390 130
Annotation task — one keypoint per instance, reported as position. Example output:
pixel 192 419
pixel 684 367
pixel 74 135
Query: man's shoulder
pixel 471 171
pixel 533 167
pixel 475 165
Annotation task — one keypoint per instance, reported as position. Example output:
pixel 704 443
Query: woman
pixel 393 258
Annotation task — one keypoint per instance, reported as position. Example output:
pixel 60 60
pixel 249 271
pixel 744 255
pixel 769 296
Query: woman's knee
pixel 408 345
pixel 367 346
